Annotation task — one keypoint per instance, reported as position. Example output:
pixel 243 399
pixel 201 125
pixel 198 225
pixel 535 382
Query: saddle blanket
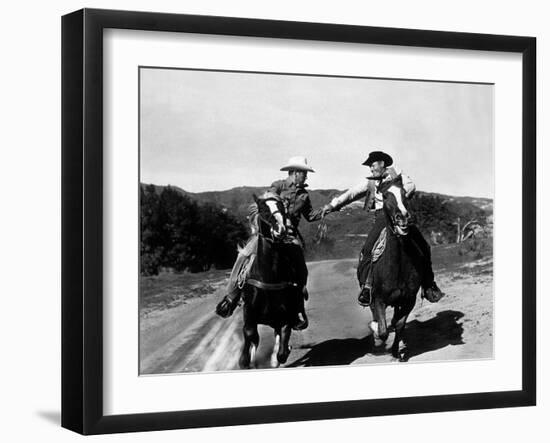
pixel 379 246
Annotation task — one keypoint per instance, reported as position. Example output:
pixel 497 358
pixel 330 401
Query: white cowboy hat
pixel 297 164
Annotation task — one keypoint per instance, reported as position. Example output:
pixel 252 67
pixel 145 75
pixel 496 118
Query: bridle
pixel 392 225
pixel 273 240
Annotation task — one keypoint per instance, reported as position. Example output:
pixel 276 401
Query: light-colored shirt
pixel 366 186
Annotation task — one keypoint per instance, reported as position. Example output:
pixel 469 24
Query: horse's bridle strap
pixel 270 286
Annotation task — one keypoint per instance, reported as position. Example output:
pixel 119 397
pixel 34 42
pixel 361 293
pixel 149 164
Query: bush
pixel 179 234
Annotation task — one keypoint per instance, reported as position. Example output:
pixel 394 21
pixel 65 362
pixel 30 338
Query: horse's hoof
pixel 275 363
pixel 300 326
pixel 302 323
pixel 400 357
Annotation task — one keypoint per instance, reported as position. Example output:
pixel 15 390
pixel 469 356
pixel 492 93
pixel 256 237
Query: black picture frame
pixel 82 219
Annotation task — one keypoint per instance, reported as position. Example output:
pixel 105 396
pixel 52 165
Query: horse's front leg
pixel 399 320
pixel 284 348
pixel 276 348
pixel 378 324
pixel 251 340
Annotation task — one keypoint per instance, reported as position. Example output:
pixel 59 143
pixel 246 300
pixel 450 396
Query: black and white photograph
pixel 293 221
pixel 264 221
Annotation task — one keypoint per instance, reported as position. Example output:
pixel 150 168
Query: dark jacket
pixel 296 200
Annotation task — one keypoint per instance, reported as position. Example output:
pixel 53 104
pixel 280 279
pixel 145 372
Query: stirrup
pixel 365 296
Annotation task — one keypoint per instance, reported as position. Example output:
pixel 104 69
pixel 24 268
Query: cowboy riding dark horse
pixel 293 194
pixel 397 272
pixel 395 260
pixel 383 171
pixel 273 289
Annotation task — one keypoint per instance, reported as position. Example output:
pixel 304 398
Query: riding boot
pixel 430 290
pixel 432 293
pixel 365 294
pixel 229 303
pixel 302 321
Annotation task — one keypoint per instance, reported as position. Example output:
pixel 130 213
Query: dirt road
pixel 190 337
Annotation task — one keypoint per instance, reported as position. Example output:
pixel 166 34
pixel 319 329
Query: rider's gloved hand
pixel 327 209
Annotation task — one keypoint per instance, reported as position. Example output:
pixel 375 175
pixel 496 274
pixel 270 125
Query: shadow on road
pixel 436 333
pixel 419 337
pixel 336 352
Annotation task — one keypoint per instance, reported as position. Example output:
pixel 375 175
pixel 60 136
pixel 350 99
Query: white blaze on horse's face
pixel 396 191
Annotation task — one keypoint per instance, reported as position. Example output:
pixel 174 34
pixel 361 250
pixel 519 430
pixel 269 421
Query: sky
pixel 206 131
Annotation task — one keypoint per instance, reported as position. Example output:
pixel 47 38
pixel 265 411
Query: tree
pixel 179 234
pixel 151 244
pixel 179 217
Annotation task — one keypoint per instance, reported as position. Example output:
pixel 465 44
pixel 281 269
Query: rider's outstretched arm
pixel 352 194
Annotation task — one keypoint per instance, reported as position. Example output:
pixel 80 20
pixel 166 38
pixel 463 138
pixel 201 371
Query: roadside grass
pixel 460 259
pixel 464 258
pixel 168 290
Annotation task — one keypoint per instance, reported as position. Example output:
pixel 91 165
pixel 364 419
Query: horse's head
pixel 271 216
pixel 395 205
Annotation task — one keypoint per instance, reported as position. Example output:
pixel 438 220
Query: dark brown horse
pixel 397 274
pixel 270 295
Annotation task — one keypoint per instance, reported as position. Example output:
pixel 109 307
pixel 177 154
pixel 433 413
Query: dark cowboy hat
pixel 376 156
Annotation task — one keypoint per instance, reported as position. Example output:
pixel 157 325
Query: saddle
pixel 287 282
pixel 244 272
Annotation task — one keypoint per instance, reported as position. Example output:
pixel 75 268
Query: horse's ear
pixel 255 197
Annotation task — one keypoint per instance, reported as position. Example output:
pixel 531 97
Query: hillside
pixel 435 214
pixel 238 199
